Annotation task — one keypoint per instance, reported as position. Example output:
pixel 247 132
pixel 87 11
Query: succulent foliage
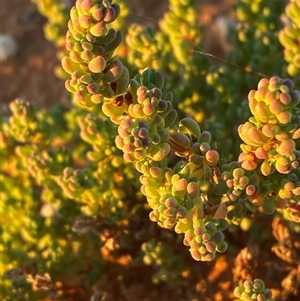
pixel 149 136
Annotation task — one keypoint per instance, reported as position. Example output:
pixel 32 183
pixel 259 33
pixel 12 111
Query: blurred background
pixel 28 71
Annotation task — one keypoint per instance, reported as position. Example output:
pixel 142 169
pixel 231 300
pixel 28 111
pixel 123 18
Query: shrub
pixel 156 130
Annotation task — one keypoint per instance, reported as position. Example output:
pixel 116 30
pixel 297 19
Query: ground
pixel 29 74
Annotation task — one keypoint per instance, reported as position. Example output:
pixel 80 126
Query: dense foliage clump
pixel 158 132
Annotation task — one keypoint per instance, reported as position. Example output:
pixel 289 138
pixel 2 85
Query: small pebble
pixel 223 26
pixel 8 47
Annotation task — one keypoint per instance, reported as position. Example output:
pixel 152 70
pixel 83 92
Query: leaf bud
pixel 112 111
pixel 110 15
pixel 97 64
pixel 179 188
pixel 296 190
pixel 238 173
pixel 222 246
pixel 218 236
pixel 211 227
pixel 189 204
pixel 96 98
pixel 282 165
pixel 205 137
pixel 82 99
pixel 156 172
pixel 207 174
pixel 284 117
pixel 114 72
pixel 148 109
pixel 147 143
pixel 196 254
pixel 181 212
pixel 268 205
pixel 98 29
pixel 193 190
pixel 204 147
pixel 156 92
pixel 256 199
pixel 68 65
pixel 249 165
pixel 220 188
pixel 74 186
pixel 93 88
pixel 212 157
pixel 266 168
pixel 109 37
pixel 276 107
pixel 284 194
pixel 243 181
pixel 180 141
pixel 295 95
pixel 171 202
pixel 171 211
pixel 170 118
pixel 153 216
pixel 90 38
pixel 84 21
pixel 200 231
pixel 169 223
pixel 286 147
pixel 285 98
pixel 190 126
pixel 265 189
pixel 140 154
pixel 197 160
pixel 86 79
pixel 97 13
pixel 157 153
